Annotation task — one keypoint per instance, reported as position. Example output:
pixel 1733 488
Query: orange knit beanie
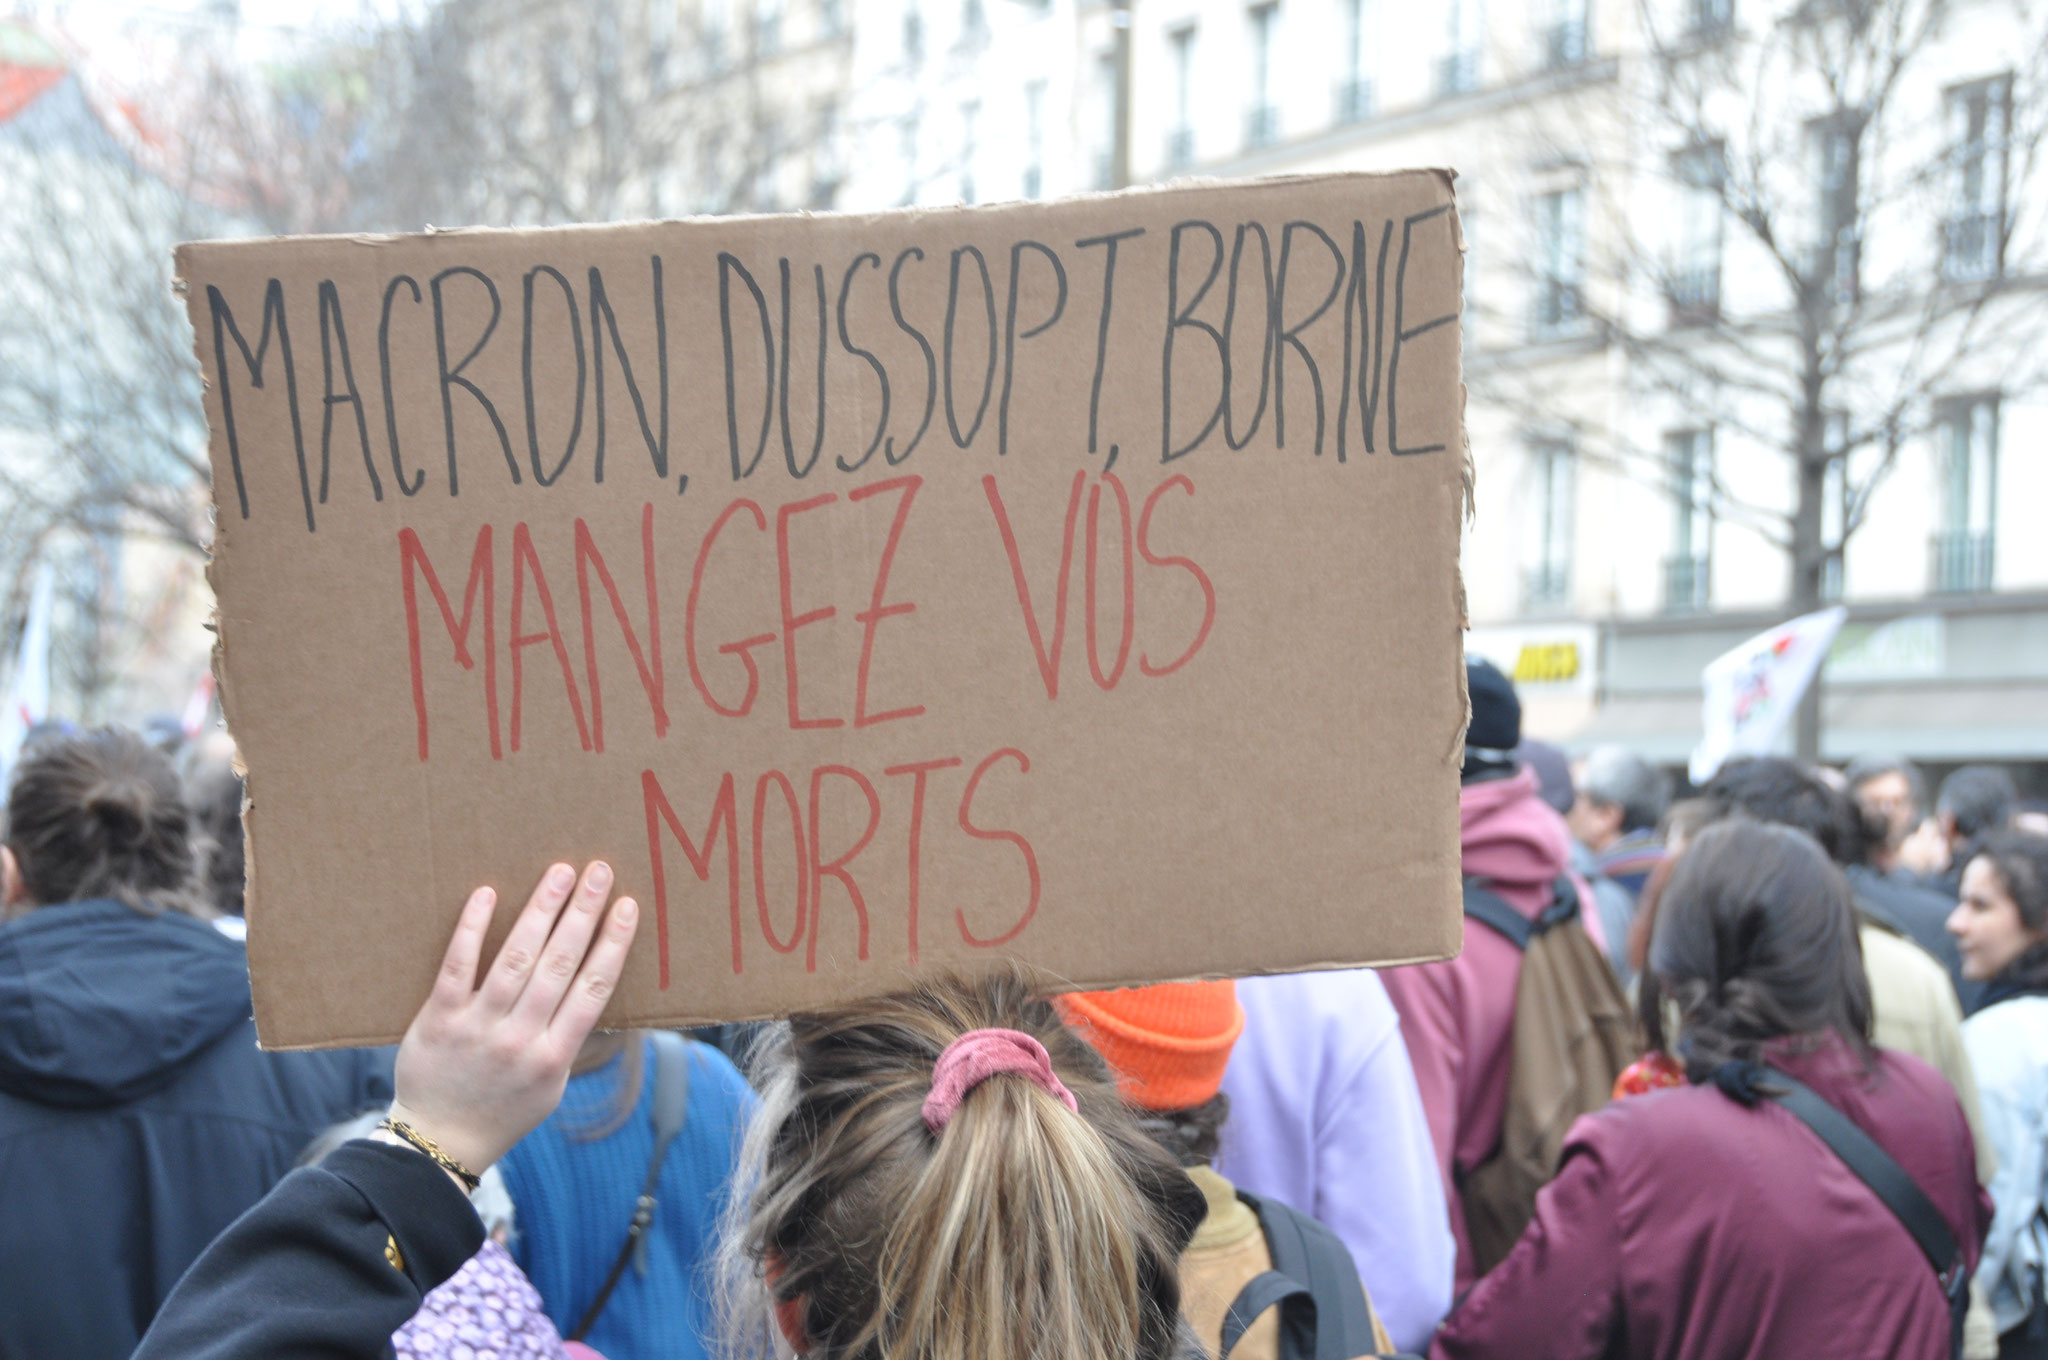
pixel 1169 1043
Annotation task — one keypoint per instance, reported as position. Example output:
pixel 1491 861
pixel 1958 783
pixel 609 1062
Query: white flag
pixel 1752 691
pixel 28 690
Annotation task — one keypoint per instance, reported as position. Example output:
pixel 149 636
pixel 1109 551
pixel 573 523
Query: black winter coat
pixel 137 1117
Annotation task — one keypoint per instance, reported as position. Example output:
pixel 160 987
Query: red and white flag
pixel 1752 690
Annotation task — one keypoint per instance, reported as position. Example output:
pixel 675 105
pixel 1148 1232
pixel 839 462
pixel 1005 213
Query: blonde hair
pixel 1023 1231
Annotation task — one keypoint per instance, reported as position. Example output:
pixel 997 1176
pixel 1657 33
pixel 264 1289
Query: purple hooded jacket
pixel 1456 1015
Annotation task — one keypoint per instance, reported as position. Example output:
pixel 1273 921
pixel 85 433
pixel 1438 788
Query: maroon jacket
pixel 1683 1226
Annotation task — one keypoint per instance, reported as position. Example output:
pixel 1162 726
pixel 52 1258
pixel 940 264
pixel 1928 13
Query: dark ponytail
pixel 1756 940
pixel 102 816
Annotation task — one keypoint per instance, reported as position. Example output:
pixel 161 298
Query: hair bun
pixel 123 807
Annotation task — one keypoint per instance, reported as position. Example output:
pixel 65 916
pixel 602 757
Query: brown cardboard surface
pixel 878 594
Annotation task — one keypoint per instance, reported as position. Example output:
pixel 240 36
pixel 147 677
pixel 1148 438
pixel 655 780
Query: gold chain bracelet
pixel 432 1149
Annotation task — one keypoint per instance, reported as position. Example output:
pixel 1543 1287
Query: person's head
pixel 1496 728
pixel 98 815
pixel 1553 772
pixel 1168 1045
pixel 1002 1224
pixel 2001 923
pixel 1974 800
pixel 1892 793
pixel 1755 940
pixel 1616 792
pixel 215 795
pixel 1786 793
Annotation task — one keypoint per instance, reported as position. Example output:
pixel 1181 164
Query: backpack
pixel 1323 1312
pixel 1573 1034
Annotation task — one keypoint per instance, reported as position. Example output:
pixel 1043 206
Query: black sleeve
pixel 329 1264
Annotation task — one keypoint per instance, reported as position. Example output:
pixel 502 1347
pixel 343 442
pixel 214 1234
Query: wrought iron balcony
pixel 1695 295
pixel 1546 587
pixel 1356 100
pixel 1261 125
pixel 1457 73
pixel 1558 307
pixel 1960 562
pixel 1688 584
pixel 1564 44
pixel 1972 247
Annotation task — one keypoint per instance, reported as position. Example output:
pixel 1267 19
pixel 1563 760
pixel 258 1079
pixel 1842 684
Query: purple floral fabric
pixel 488 1310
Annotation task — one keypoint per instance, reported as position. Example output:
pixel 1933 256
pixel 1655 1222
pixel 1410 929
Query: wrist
pixel 446 1149
pixel 386 1136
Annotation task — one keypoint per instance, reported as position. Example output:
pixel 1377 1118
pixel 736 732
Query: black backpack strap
pixel 1890 1182
pixel 1305 1251
pixel 1564 905
pixel 1491 910
pixel 671 1108
pixel 1297 1314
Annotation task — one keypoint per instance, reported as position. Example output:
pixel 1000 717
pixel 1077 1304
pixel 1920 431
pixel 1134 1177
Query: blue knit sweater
pixel 574 1202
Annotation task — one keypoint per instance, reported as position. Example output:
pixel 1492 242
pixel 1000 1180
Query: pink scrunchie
pixel 979 1054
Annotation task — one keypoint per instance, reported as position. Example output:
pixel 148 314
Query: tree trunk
pixel 1809 550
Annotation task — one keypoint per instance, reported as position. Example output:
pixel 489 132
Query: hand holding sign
pixel 481 1066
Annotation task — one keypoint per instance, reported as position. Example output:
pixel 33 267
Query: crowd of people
pixel 1758 1071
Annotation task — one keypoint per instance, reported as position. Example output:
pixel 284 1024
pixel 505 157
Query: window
pixel 1560 262
pixel 767 27
pixel 906 140
pixel 1693 284
pixel 716 19
pixel 1104 176
pixel 832 18
pixel 1457 72
pixel 661 40
pixel 1180 139
pixel 1688 571
pixel 1966 444
pixel 1262 118
pixel 1563 34
pixel 827 168
pixel 1708 19
pixel 1836 262
pixel 1034 139
pixel 767 167
pixel 1355 94
pixel 970 114
pixel 1547 578
pixel 913 33
pixel 1973 237
pixel 973 21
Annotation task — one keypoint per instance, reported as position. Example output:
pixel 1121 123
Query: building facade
pixel 1736 306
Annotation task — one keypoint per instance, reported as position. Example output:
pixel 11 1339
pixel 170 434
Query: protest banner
pixel 879 594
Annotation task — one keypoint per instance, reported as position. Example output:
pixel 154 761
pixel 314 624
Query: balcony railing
pixel 1972 247
pixel 1546 587
pixel 1695 295
pixel 1688 584
pixel 1261 125
pixel 1558 307
pixel 1961 562
pixel 1564 44
pixel 1457 73
pixel 1356 100
pixel 1836 266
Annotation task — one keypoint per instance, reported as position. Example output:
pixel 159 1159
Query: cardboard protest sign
pixel 1073 581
